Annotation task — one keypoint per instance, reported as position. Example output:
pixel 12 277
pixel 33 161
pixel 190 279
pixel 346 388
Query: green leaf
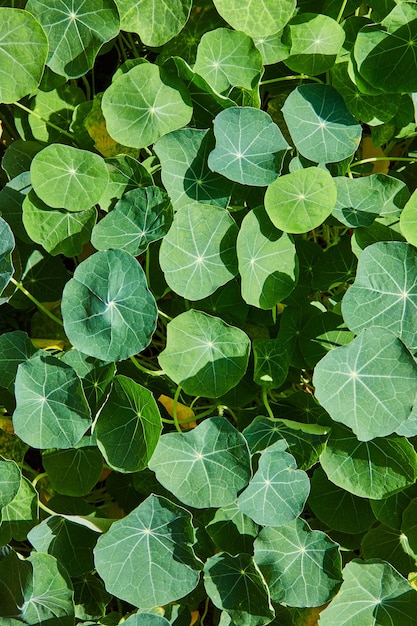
pixel 19 515
pixel 249 146
pixel 76 30
pixel 390 545
pixel 90 597
pixel 228 58
pixel 278 491
pixel 385 292
pixel 198 254
pixel 370 385
pixel 374 469
pixel 267 260
pixel 73 472
pixel 23 53
pixel 10 478
pixel 69 178
pixel 15 348
pixel 232 531
pixel 144 104
pixel 125 174
pixel 408 524
pixel 320 124
pixel 51 409
pixel 373 592
pixel 146 558
pixel 185 173
pixel 408 220
pixel 271 363
pixel 301 201
pixel 390 510
pixel 257 19
pixel 205 467
pixel 7 244
pixel 107 309
pixel 146 619
pixel 204 355
pixel 235 584
pixel 155 22
pixel 128 426
pixel 302 567
pixel 15 578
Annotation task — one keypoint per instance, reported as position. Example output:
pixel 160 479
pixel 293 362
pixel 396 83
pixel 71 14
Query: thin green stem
pixel 147 264
pixel 164 315
pixel 375 159
pixel 40 306
pixel 266 402
pixel 294 77
pixel 46 508
pixel 274 314
pixel 45 121
pixel 38 477
pixel 342 10
pixel 145 370
pixel 132 45
pixel 87 87
pixel 204 615
pixel 174 409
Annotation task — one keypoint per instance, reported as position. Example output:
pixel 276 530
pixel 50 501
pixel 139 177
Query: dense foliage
pixel 208 340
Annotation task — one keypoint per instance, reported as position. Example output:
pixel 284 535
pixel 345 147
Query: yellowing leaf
pixel 48 344
pixel 369 150
pixel 96 128
pixel 183 412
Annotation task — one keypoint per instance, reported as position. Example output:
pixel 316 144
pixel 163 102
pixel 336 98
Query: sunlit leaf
pixel 258 18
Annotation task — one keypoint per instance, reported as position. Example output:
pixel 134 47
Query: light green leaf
pixel 228 58
pixel 107 309
pixel 23 53
pixel 139 217
pixel 232 531
pixel 146 619
pixel 278 491
pixel 373 469
pixel 75 471
pixel 257 18
pixel 185 173
pixel 57 230
pixel 146 558
pixel 76 30
pixel 302 567
pixel 69 178
pixel 320 124
pixel 15 348
pixel 235 584
pixel 144 104
pixel 7 244
pixel 10 477
pixel 373 592
pixel 302 200
pixel 51 409
pixel 267 260
pixel 369 385
pixel 272 48
pixel 385 291
pixel 198 255
pixel 271 363
pixel 155 21
pixel 408 220
pixel 249 146
pixel 204 355
pixel 19 515
pixel 205 467
pixel 128 426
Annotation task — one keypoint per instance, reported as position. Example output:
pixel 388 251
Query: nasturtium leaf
pixel 198 255
pixel 337 508
pixel 271 363
pixel 372 592
pixel 15 348
pixel 75 471
pixel 10 478
pixel 76 30
pixel 235 584
pixel 146 558
pixel 228 58
pixel 320 124
pixel 90 597
pixel 125 174
pixel 315 40
pixel 11 200
pixel 69 178
pixel 204 355
pixel 372 469
pixel 278 491
pixel 15 579
pixel 155 21
pixel 390 510
pixel 258 18
pixel 205 467
pixel 144 104
pixel 139 217
pixel 51 409
pixel 267 261
pixel 249 146
pixel 70 543
pixel 409 525
pixel 302 567
pixel 408 220
pixel 7 244
pixel 272 48
pixel 23 53
pixel 302 200
pixel 107 309
pixel 57 230
pixel 385 291
pixel 185 174
pixel 369 385
pixel 231 530
pixel 128 426
pixel 146 619
pixel 21 514
pixel 381 542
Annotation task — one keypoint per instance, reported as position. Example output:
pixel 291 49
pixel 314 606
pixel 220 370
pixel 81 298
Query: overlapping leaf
pixel 258 18
pixel 10 478
pixel 7 244
pixel 75 471
pixel 15 348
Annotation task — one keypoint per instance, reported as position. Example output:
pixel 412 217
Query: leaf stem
pixel 145 370
pixel 342 10
pixel 40 306
pixel 46 508
pixel 266 402
pixel 294 77
pixel 174 409
pixel 375 159
pixel 47 122
pixel 204 615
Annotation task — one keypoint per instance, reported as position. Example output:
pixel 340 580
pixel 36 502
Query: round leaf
pixel 10 478
pixel 73 472
pixel 390 545
pixel 23 52
pixel 198 254
pixel 320 124
pixel 107 309
pixel 257 18
pixel 301 201
pixel 7 244
pixel 205 467
pixel 408 220
pixel 66 177
pixel 15 348
pixel 204 355
pixel 144 104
